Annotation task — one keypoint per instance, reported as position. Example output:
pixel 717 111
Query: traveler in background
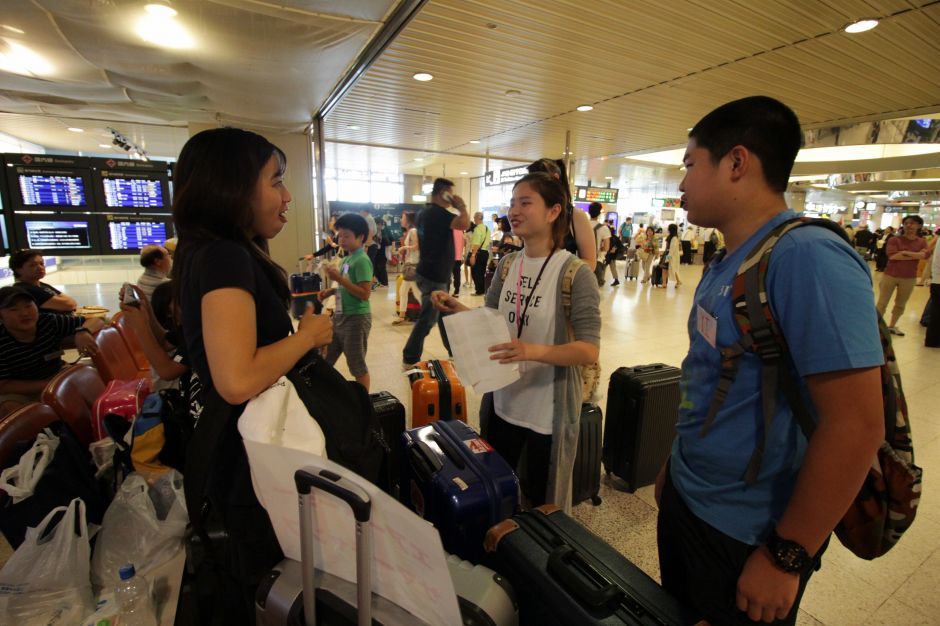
pixel 881 257
pixel 28 271
pixel 688 236
pixel 579 240
pixel 229 201
pixel 382 241
pixel 740 551
pixel 157 264
pixel 863 240
pixel 329 246
pixel 925 278
pixel 370 245
pixel 648 251
pixel 155 323
pixel 437 260
pixel 601 241
pixel 614 252
pixel 352 317
pixel 712 242
pixel 31 344
pixel 410 255
pixel 507 241
pixel 458 259
pixel 932 339
pixel 626 232
pixel 467 270
pixel 901 271
pixel 849 231
pixel 539 413
pixel 672 255
pixel 479 253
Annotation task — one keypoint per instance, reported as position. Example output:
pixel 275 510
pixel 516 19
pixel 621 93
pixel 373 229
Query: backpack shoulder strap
pixel 567 279
pixel 506 264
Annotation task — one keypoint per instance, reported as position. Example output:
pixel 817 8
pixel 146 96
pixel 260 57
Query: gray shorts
pixel 351 337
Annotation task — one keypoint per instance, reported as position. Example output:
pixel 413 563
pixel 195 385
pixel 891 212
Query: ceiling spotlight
pixel 512 93
pixel 861 26
pixel 608 178
pixel 352 127
pixel 160 9
pixel 104 145
pixel 419 159
pixel 423 77
pixel 14 29
pixel 585 107
pixel 72 129
pixel 491 25
pixel 464 173
pixel 474 141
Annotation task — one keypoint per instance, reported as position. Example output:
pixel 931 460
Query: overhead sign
pixel 505 175
pixel 667 203
pixel 606 195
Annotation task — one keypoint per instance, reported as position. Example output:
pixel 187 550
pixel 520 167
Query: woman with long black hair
pixel 229 201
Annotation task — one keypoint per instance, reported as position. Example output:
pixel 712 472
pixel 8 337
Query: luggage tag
pixel 707 325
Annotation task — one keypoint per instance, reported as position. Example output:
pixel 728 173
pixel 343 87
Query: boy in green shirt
pixel 352 317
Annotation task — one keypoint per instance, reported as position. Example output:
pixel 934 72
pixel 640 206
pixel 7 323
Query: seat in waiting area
pixel 119 321
pixel 72 394
pixel 114 360
pixel 23 425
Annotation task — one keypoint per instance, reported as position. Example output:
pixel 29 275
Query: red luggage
pixel 122 397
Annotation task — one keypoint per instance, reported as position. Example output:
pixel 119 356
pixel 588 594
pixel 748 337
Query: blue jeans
pixel 428 317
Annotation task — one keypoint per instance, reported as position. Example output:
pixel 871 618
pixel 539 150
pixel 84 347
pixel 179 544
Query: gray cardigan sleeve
pixel 585 307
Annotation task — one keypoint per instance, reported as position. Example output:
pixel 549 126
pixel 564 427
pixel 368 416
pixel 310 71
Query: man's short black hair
pixel 763 125
pixel 594 209
pixel 441 185
pixel 19 258
pixel 356 224
pixel 150 256
pixel 915 217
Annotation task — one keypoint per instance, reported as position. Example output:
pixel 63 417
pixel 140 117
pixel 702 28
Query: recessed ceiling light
pixel 512 93
pixel 104 145
pixel 14 29
pixel 608 178
pixel 474 141
pixel 419 158
pixel 491 25
pixel 352 127
pixel 688 130
pixel 464 173
pixel 72 129
pixel 160 10
pixel 861 26
pixel 423 77
pixel 585 107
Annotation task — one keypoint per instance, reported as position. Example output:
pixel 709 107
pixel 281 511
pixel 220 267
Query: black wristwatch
pixel 788 555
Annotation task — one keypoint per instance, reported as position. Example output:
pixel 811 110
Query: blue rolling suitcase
pixel 455 480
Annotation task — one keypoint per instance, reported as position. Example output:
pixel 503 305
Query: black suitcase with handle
pixel 564 574
pixel 391 414
pixel 586 476
pixel 642 405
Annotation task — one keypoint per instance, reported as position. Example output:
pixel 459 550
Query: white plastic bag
pixel 144 525
pixel 20 480
pixel 46 580
pixel 279 417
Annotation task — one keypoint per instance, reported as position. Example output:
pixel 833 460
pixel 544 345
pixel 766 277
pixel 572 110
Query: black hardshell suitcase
pixel 391 414
pixel 642 406
pixel 586 476
pixel 564 574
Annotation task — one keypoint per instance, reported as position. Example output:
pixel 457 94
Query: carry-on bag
pixel 586 476
pixel 632 269
pixel 120 397
pixel 454 479
pixel 642 406
pixel 563 574
pixel 485 598
pixel 436 393
pixel 657 275
pixel 304 288
pixel 391 415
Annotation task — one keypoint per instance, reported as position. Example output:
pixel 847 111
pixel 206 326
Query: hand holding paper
pixel 471 333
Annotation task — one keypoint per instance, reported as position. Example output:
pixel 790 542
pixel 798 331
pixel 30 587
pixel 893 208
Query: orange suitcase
pixel 436 393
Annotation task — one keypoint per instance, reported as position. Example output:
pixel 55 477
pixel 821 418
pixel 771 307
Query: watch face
pixel 789 555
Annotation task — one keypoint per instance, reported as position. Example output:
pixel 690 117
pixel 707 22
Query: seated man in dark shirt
pixel 31 346
pixel 29 270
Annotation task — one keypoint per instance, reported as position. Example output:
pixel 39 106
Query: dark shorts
pixel 701 565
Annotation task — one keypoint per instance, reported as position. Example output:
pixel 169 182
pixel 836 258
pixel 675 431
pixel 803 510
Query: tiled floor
pixel 644 325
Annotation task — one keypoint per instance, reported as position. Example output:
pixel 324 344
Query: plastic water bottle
pixel 133 599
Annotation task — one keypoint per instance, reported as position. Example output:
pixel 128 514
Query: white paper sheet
pixel 470 334
pixel 407 551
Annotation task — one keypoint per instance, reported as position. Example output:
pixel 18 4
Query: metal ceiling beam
pixel 396 22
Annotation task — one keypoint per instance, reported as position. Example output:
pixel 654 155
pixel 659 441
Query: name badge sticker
pixel 707 326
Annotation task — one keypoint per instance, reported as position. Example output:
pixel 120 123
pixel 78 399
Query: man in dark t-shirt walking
pixel 436 241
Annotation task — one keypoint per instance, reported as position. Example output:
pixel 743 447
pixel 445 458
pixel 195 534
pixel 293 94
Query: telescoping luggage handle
pixel 361 504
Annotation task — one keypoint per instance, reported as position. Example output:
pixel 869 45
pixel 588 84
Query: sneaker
pixel 408 366
pixel 375 286
pixel 456 295
pixel 894 330
pixel 398 321
pixel 615 283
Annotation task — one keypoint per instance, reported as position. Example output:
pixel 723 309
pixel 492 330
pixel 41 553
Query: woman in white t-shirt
pixel 410 253
pixel 555 329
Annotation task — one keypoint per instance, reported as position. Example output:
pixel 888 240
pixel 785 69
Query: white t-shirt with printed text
pixel 529 401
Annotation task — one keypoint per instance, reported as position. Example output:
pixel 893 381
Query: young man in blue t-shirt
pixel 741 551
pixel 352 317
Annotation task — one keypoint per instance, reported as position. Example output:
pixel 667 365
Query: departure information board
pixel 605 195
pixel 51 190
pixel 132 193
pixel 58 234
pixel 133 235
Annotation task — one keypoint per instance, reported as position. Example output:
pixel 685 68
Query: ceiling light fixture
pixel 861 26
pixel 464 173
pixel 419 159
pixel 474 141
pixel 352 127
pixel 73 129
pixel 423 77
pixel 512 93
pixel 159 26
pixel 608 178
pixel 104 145
pixel 19 59
pixel 14 29
pixel 585 107
pixel 160 9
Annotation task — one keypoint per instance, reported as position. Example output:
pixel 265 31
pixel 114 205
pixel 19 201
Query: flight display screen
pixel 58 234
pixel 134 235
pixel 133 193
pixel 52 190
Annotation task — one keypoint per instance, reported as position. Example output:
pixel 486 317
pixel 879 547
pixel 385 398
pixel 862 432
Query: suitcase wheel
pixel 596 500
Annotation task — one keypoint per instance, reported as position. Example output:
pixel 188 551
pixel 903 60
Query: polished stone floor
pixel 643 325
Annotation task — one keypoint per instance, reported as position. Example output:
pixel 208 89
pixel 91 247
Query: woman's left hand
pixel 514 351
